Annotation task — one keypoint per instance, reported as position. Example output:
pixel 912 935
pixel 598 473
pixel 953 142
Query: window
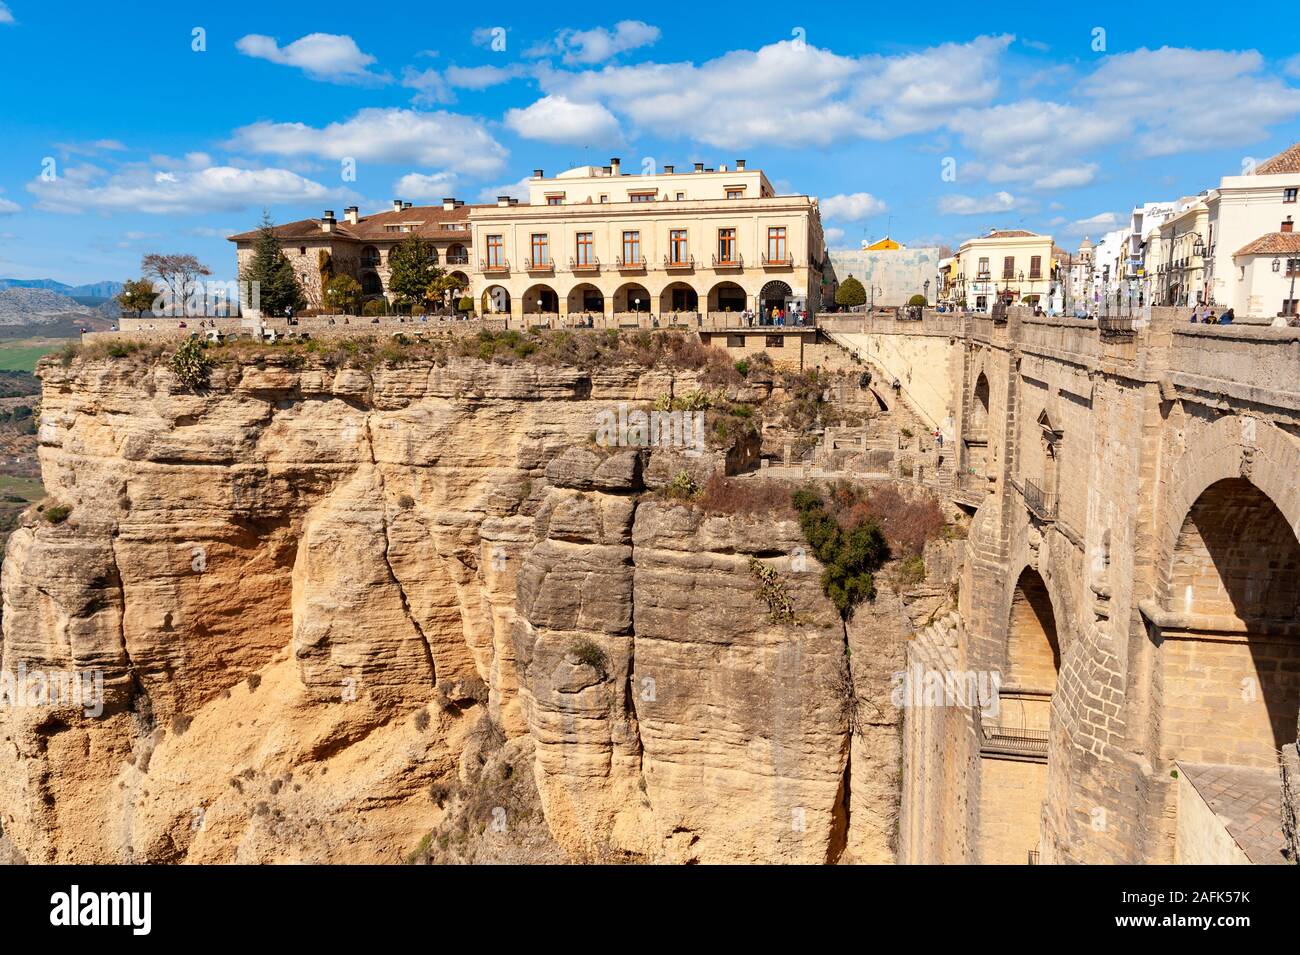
pixel 984 268
pixel 631 248
pixel 583 249
pixel 495 252
pixel 541 248
pixel 1009 267
pixel 1292 267
pixel 1289 195
pixel 681 195
pixel 735 193
pixel 640 196
pixel 1035 266
pixel 774 341
pixel 726 245
pixel 735 341
pixel 555 200
pixel 604 197
pixel 776 244
pixel 302 250
pixel 677 246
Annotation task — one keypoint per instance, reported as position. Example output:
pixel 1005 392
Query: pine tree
pixel 411 271
pixel 270 268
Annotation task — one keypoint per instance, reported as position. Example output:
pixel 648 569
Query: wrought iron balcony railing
pixel 735 262
pixel 686 263
pixel 784 262
pixel 455 258
pixel 637 262
pixel 539 265
pixel 1040 503
pixel 585 265
pixel 500 265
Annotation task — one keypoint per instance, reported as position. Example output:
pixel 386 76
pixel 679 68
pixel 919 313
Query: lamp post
pixel 926 291
pixel 1290 309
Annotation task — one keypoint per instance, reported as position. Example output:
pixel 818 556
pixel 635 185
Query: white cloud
pixel 425 188
pixel 90 148
pixel 1292 66
pixel 438 139
pixel 599 44
pixel 557 119
pixel 959 205
pixel 1093 225
pixel 8 208
pixel 322 56
pixel 140 188
pixel 791 94
pixel 851 208
pixel 429 85
pixel 516 190
pixel 833 235
pixel 1068 177
pixel 5 15
pixel 482 77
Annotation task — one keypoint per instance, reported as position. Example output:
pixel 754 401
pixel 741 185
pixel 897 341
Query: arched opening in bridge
pixel 1014 734
pixel 585 297
pixel 541 299
pixel 1229 642
pixel 979 412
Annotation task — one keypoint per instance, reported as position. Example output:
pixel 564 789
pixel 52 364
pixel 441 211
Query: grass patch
pixel 23 354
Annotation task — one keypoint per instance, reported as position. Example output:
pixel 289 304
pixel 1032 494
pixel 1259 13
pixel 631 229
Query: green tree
pixel 917 299
pixel 137 296
pixel 441 288
pixel 411 271
pixel 850 293
pixel 277 284
pixel 849 557
pixel 343 294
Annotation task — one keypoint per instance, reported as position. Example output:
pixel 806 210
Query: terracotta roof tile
pixel 433 221
pixel 1288 160
pixel 1271 243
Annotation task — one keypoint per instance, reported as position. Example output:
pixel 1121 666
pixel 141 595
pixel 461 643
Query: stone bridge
pixel 1131 586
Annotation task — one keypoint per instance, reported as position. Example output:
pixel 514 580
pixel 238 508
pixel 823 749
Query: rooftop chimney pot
pixel 397 205
pixel 699 167
pixel 668 170
pixel 538 174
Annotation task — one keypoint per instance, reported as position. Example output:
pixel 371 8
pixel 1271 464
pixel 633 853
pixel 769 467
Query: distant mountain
pixel 101 290
pixel 37 306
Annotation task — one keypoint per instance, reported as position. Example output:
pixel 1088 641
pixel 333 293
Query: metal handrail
pixel 502 266
pixel 736 263
pixel 687 263
pixel 1042 504
pixel 621 263
pixel 592 265
pixel 786 262
pixel 531 266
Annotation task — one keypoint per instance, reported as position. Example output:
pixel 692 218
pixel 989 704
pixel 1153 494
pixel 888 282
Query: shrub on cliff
pixel 190 364
pixel 849 557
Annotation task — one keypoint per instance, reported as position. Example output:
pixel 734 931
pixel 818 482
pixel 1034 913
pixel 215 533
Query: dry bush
pixel 724 495
pixel 906 522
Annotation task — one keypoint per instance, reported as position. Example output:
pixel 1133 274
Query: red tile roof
pixel 1272 243
pixel 1288 160
pixel 427 221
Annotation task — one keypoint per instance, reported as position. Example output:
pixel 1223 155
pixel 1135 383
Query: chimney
pixel 397 205
pixel 538 174
pixel 740 165
pixel 352 215
pixel 406 205
pixel 608 170
pixel 448 204
pixel 722 167
pixel 614 165
pixel 327 221
pixel 668 170
pixel 503 201
pixel 699 167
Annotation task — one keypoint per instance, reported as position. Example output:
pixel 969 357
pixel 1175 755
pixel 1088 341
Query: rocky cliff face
pixel 322 600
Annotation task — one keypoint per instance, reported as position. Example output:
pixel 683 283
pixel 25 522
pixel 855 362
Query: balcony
pixel 1016 741
pixel 679 264
pixel 585 265
pixel 496 266
pixel 539 265
pixel 634 264
pixel 1040 503
pixel 734 262
pixel 786 262
pixel 457 258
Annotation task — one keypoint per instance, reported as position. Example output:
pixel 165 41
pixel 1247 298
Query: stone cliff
pixel 328 603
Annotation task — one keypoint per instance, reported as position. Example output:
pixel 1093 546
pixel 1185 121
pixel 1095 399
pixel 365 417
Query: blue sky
pixel 120 138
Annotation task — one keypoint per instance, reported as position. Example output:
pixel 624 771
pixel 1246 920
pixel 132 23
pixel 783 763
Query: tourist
pixel 1227 317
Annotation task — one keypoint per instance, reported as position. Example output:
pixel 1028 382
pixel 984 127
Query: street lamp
pixel 926 293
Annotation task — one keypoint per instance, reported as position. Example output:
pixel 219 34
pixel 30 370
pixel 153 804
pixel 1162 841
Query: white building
pixel 1251 222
